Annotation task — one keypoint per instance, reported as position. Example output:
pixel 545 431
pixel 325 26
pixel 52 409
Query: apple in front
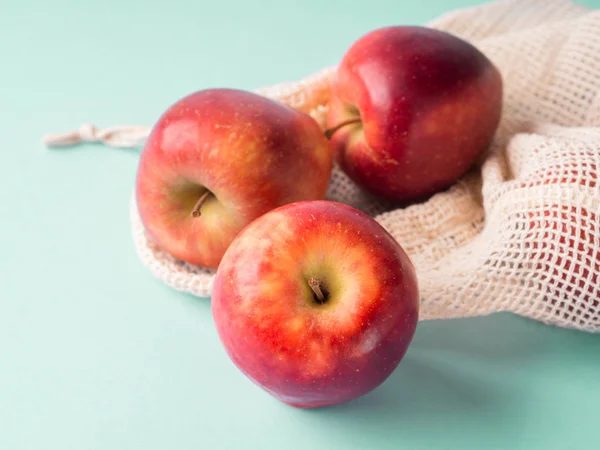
pixel 411 110
pixel 316 303
pixel 220 158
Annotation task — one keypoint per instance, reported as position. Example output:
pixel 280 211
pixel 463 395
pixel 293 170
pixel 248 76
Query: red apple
pixel 220 158
pixel 316 303
pixel 565 243
pixel 411 110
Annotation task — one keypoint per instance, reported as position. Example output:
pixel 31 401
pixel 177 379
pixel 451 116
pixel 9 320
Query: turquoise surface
pixel 97 354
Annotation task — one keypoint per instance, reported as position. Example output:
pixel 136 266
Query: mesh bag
pixel 521 231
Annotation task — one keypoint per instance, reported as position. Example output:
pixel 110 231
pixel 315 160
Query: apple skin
pixel 428 103
pixel 302 352
pixel 253 154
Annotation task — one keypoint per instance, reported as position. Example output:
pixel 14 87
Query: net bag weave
pixel 520 232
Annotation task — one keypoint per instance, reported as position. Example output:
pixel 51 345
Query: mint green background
pixel 97 354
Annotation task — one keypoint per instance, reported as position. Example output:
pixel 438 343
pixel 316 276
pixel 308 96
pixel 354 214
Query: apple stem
pixel 329 131
pixel 196 210
pixel 315 285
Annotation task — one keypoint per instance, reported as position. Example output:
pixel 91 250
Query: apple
pixel 564 238
pixel 316 303
pixel 218 159
pixel 411 110
pixel 567 237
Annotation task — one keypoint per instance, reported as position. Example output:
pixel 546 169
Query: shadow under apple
pixel 456 372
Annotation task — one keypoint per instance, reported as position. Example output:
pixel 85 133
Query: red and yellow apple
pixel 218 159
pixel 316 303
pixel 411 110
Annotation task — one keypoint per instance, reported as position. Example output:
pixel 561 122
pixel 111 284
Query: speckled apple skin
pixel 304 353
pixel 429 105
